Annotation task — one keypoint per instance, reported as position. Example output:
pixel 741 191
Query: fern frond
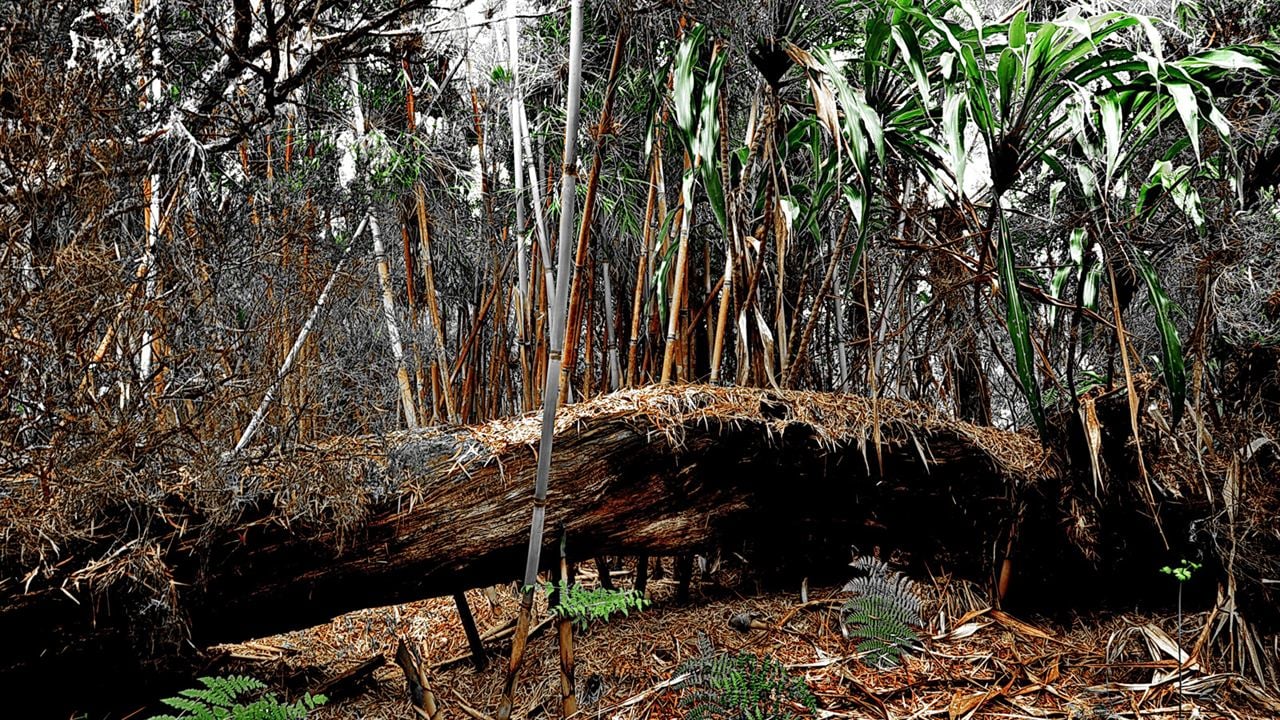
pixel 218 700
pixel 883 613
pixel 721 686
pixel 582 606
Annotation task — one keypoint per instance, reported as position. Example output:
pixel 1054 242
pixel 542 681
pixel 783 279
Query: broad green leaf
pixel 683 86
pixel 1088 183
pixel 1172 366
pixel 1092 281
pixel 1007 80
pixel 1154 38
pixel 707 148
pixel 1077 244
pixel 1037 57
pixel 1055 189
pixel 1109 109
pixel 909 46
pixel 975 17
pixel 1176 182
pixel 1018 31
pixel 1019 325
pixel 1060 278
pixel 1226 59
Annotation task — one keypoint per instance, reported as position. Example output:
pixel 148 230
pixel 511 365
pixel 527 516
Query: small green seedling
pixel 1183 571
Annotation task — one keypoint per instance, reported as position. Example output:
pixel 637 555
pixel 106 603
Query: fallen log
pixel 279 543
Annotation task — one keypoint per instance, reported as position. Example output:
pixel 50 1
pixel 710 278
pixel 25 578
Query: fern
pixel 723 686
pixel 883 614
pixel 582 606
pixel 218 700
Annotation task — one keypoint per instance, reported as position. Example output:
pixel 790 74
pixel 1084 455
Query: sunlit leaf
pixel 1109 108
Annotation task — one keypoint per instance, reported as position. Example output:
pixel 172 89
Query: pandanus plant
pixel 1090 103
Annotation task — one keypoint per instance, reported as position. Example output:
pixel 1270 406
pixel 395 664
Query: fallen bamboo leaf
pixel 963 706
pixel 962 631
pixel 1017 625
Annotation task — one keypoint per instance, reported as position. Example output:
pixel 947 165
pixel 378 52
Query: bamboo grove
pixel 233 228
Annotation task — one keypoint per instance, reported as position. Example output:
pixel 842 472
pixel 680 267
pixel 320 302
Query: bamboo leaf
pixel 1171 361
pixel 1019 325
pixel 1109 109
pixel 1184 100
pixel 953 121
pixel 909 45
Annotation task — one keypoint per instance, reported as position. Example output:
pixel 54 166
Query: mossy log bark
pixel 791 479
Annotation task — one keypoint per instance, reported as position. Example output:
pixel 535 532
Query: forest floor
pixel 977 663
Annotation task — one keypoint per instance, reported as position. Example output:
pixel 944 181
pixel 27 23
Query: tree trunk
pixel 782 478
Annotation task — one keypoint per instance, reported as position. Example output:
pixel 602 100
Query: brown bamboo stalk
pixel 588 380
pixel 415 672
pixel 568 698
pixel 722 315
pixel 588 212
pixel 731 215
pixel 478 320
pixel 871 367
pixel 642 284
pixel 433 308
pixel 677 279
pixel 812 321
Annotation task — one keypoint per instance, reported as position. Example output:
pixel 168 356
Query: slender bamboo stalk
pixel 588 212
pixel 677 279
pixel 540 223
pixel 588 351
pixel 642 283
pixel 433 306
pixel 551 394
pixel 615 368
pixel 384 272
pixel 410 269
pixel 731 241
pixel 478 321
pixel 568 698
pixel 520 304
pixel 393 331
pixel 812 321
pixel 287 365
